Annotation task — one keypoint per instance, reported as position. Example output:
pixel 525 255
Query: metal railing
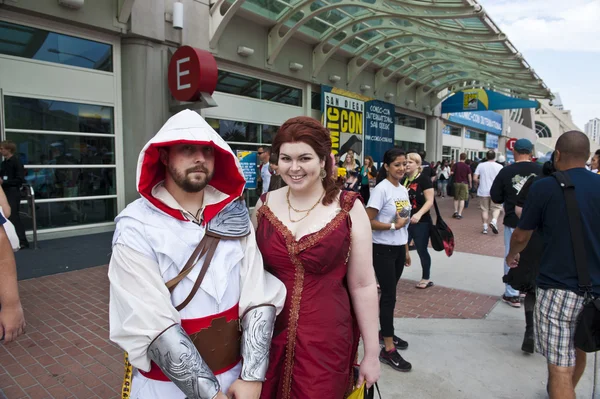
pixel 28 194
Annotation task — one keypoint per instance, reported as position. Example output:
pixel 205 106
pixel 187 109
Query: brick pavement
pixel 467 231
pixel 66 353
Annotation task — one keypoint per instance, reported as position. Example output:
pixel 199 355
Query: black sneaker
pixel 527 346
pixel 399 343
pixel 455 215
pixel 394 360
pixel 513 301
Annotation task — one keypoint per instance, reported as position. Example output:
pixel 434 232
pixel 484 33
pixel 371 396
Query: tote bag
pixel 442 238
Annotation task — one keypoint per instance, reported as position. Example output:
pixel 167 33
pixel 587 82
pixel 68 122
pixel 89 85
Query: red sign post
pixel 191 72
pixel 510 144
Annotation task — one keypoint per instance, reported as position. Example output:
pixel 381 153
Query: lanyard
pixel 409 180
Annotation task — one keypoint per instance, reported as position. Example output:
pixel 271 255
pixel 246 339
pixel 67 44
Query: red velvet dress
pixel 316 335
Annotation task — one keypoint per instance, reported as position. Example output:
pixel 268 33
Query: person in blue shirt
pixel 559 300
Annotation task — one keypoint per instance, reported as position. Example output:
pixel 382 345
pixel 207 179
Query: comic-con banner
pixel 379 129
pixel 343 115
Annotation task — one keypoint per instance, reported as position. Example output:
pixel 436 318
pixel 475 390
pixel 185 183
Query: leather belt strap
pixel 220 344
pixel 207 246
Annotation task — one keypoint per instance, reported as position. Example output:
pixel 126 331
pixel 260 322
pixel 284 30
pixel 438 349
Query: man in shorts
pixel 559 299
pixel 463 180
pixel 484 177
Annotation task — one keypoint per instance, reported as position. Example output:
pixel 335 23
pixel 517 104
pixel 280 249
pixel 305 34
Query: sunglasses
pixel 260 153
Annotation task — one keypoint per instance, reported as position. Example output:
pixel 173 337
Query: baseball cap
pixel 523 145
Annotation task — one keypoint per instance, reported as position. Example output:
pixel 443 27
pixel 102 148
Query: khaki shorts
pixel 461 191
pixel 486 204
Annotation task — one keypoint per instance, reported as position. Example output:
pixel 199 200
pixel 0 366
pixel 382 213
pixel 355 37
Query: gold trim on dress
pixel 294 247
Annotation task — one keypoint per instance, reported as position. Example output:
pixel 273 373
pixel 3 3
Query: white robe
pixel 149 249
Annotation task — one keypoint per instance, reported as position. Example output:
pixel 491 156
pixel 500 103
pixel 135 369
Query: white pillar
pixel 433 138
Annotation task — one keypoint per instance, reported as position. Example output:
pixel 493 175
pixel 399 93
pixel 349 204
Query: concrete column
pixel 433 138
pixel 145 101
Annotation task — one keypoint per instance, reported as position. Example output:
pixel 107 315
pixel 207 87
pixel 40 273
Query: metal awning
pixel 436 44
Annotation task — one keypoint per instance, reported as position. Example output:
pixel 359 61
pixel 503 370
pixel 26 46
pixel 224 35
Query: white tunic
pixel 149 249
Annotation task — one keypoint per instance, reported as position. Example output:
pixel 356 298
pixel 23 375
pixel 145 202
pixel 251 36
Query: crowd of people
pixel 296 287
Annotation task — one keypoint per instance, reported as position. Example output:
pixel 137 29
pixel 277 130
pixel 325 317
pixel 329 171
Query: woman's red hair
pixel 310 131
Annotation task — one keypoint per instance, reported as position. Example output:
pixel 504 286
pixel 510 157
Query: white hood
pixel 189 127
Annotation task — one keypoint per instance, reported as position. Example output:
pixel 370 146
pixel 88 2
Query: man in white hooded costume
pixel 190 301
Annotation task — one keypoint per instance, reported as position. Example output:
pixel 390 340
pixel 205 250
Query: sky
pixel 560 40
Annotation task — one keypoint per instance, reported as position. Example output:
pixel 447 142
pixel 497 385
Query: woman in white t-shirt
pixel 389 210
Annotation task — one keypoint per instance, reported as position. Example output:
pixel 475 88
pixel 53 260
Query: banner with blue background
pixel 488 121
pixel 379 129
pixel 249 163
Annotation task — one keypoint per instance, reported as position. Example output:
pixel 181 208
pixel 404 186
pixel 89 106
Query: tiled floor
pixel 66 352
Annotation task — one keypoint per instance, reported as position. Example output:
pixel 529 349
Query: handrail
pixel 31 203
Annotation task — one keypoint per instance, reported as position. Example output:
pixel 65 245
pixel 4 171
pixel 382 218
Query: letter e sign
pixel 192 71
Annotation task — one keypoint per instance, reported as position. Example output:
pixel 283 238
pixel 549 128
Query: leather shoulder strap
pixel 211 248
pixel 576 228
pixel 207 246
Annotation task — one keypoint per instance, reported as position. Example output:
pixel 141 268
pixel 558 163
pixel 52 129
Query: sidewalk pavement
pixel 464 359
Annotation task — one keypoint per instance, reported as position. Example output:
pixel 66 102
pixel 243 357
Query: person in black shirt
pixel 505 190
pixel 523 277
pixel 421 195
pixel 12 177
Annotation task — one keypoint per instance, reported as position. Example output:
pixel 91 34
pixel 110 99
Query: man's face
pixel 263 155
pixel 190 166
pixel 4 152
pixel 595 162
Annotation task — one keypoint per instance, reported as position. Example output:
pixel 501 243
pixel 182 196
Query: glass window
pixel 235 131
pixel 452 130
pixel 473 135
pixel 55 149
pixel 410 121
pixel 268 133
pixel 315 101
pixel 233 83
pixel 39 44
pixel 70 213
pixel 409 145
pixel 37 114
pixel 70 183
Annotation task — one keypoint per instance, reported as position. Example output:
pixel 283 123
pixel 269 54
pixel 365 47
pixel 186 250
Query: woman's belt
pixel 217 338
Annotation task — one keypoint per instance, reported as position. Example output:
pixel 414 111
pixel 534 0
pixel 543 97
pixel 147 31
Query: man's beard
pixel 188 185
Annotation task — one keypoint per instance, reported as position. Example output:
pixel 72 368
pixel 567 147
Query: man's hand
pixel 12 322
pixel 513 260
pixel 241 389
pixel 220 395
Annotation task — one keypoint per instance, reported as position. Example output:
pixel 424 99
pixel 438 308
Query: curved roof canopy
pixel 436 44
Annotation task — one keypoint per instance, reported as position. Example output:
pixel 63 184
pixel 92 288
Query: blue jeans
pixel 509 290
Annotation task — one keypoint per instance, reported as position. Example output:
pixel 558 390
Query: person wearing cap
pixel 505 190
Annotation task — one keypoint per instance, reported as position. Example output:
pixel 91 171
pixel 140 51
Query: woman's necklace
pixel 290 208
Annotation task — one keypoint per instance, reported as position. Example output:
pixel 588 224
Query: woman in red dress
pixel 318 242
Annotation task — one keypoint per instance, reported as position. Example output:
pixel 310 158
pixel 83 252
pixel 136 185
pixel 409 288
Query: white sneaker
pixel 494 227
pixel 484 231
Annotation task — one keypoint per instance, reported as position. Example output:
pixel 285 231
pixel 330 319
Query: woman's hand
pixel 408 261
pixel 400 221
pixel 415 218
pixel 369 372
